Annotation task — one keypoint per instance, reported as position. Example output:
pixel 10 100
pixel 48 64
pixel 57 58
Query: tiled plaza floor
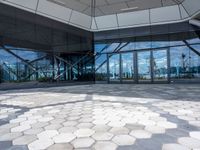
pixel 101 117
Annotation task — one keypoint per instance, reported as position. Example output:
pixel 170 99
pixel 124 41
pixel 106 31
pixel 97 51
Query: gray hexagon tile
pixel 101 117
pixel 83 143
pixel 64 138
pixel 123 140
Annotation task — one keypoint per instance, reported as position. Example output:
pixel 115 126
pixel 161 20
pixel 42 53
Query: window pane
pixel 127 67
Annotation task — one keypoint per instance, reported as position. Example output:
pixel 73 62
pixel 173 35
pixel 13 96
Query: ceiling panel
pixel 108 7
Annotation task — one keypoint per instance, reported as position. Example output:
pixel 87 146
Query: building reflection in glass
pixel 144 67
pixel 127 67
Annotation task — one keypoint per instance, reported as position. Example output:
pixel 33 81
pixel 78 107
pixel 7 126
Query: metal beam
pixel 58 76
pixel 15 55
pixel 190 47
pixel 117 49
pixel 195 22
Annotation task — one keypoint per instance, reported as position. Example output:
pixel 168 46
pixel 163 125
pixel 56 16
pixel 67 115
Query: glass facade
pixel 23 65
pixel 44 50
pixel 41 49
pixel 151 59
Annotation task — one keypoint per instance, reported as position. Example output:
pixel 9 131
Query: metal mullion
pixel 108 70
pixel 168 66
pixel 135 64
pixel 120 68
pixel 151 66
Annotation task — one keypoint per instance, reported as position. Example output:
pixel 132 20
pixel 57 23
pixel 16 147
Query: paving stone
pixel 53 127
pixel 4 145
pixel 40 144
pixel 85 125
pixel 100 122
pixel 67 129
pixel 155 129
pixel 122 140
pixel 140 134
pixel 189 142
pixel 85 120
pixel 45 119
pixel 18 120
pixel 119 130
pixel 33 131
pixel 4 131
pixel 64 146
pixel 101 128
pixel 9 126
pixel 117 124
pixel 83 142
pixel 39 125
pixel 84 132
pixel 57 121
pixel 195 134
pixel 28 122
pixel 70 123
pixel 24 140
pixel 177 133
pixel 18 147
pixel 47 134
pixel 64 138
pixel 174 147
pixel 134 126
pixel 105 146
pixel 102 136
pixel 10 136
pixel 20 128
pixel 166 125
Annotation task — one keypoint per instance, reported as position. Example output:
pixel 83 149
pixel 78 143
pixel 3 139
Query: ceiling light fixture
pixel 129 9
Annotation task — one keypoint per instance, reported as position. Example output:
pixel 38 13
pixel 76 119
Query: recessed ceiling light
pixel 129 9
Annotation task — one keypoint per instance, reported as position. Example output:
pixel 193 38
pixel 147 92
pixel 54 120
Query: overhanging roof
pixel 111 14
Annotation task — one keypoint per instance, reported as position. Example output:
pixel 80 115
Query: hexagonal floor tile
pixel 174 147
pixel 21 128
pixel 116 124
pixel 64 138
pixel 102 136
pixel 105 146
pixel 34 131
pixel 166 124
pixel 53 127
pixel 155 129
pixel 123 140
pixel 39 125
pixel 47 134
pixel 40 144
pixel 119 130
pixel 65 146
pixel 83 142
pixel 84 132
pixel 45 119
pixel 70 123
pixel 101 128
pixel 189 142
pixel 10 136
pixel 141 134
pixel 84 125
pixel 195 134
pixel 24 140
pixel 67 129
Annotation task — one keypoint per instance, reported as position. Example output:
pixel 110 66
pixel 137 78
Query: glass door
pixel 160 66
pixel 144 66
pixel 127 67
pixel 114 67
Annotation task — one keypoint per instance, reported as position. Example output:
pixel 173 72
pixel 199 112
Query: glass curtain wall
pixel 22 65
pixel 127 67
pixel 156 58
